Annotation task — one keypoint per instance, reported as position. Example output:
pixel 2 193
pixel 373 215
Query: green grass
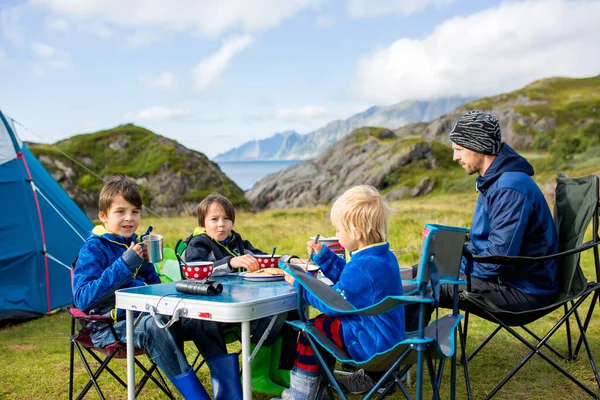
pixel 35 354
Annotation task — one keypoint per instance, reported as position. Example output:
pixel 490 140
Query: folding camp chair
pixel 420 347
pixel 577 203
pixel 82 342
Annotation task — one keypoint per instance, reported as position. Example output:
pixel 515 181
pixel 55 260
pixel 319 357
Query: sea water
pixel 246 173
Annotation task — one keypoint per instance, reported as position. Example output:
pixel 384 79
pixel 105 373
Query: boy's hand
pixel 288 278
pixel 137 248
pixel 247 262
pixel 310 246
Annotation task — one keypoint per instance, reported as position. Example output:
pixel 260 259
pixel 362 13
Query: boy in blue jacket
pixel 360 218
pixel 112 259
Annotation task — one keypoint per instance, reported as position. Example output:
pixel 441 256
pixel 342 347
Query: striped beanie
pixel 478 131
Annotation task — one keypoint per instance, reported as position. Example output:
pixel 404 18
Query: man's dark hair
pixel 202 208
pixel 120 185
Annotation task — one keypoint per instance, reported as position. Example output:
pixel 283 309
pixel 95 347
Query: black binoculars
pixel 208 288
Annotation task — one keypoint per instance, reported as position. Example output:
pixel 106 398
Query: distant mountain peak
pixel 290 145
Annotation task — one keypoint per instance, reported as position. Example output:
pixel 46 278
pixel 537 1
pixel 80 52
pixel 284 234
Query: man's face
pixel 471 161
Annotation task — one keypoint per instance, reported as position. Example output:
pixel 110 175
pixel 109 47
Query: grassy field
pixel 35 355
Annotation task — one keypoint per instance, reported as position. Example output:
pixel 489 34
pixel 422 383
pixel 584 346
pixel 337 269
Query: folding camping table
pixel 241 301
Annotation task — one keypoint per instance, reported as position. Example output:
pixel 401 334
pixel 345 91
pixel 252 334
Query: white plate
pixel 265 278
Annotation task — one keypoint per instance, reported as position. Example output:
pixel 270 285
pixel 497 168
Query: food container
pixel 313 269
pixel 197 269
pixel 267 261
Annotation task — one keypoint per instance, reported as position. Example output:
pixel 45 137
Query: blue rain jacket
pixel 101 269
pixel 512 218
pixel 371 275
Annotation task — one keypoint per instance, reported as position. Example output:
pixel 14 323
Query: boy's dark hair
pixel 202 208
pixel 120 185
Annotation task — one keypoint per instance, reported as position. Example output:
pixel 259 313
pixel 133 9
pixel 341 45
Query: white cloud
pixel 56 24
pixel 43 50
pixel 306 112
pixel 489 52
pixel 157 113
pixel 208 17
pixel 11 26
pixel 209 70
pixel 160 80
pixel 376 8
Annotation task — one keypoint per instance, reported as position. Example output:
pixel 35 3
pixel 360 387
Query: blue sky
pixel 214 74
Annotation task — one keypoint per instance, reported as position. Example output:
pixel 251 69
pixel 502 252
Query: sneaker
pixel 356 383
pixel 348 367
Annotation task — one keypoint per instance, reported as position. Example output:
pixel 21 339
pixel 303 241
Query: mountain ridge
pixel 291 145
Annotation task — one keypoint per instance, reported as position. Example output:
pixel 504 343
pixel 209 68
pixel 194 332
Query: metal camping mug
pixel 154 248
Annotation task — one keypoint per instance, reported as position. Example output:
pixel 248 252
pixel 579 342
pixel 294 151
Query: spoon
pixel 312 252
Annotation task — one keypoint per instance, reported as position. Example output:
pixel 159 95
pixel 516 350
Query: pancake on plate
pixel 266 272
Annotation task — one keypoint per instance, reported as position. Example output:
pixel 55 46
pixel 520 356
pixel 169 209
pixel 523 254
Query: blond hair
pixel 362 208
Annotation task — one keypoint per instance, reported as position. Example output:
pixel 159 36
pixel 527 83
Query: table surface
pixel 241 300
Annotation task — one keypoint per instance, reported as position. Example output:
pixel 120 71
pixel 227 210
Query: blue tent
pixel 41 231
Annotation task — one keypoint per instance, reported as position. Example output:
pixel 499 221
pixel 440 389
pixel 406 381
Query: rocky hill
pixel 291 145
pixel 559 116
pixel 173 179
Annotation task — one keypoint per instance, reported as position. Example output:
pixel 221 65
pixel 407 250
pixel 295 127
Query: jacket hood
pixel 103 233
pixel 200 231
pixel 507 160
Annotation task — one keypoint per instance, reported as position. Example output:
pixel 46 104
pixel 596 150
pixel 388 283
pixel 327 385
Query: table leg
pixel 246 373
pixel 130 355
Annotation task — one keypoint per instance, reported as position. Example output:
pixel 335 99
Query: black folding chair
pixel 577 204
pixel 420 347
pixel 82 343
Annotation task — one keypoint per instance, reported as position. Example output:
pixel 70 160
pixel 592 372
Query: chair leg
pixel 432 377
pixel 325 368
pixel 568 332
pixel 463 355
pixel 536 350
pixel 595 299
pixel 482 344
pixel 93 376
pixel 71 359
pixel 583 337
pixel 552 349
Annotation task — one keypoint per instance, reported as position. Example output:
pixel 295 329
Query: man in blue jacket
pixel 511 218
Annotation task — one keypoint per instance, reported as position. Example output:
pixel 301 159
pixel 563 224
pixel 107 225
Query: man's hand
pixel 247 262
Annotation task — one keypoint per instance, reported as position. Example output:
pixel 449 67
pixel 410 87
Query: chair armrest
pixel 77 313
pixel 523 259
pixel 334 301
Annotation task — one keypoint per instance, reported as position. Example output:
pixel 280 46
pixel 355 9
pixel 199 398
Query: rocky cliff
pixel 173 179
pixel 371 156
